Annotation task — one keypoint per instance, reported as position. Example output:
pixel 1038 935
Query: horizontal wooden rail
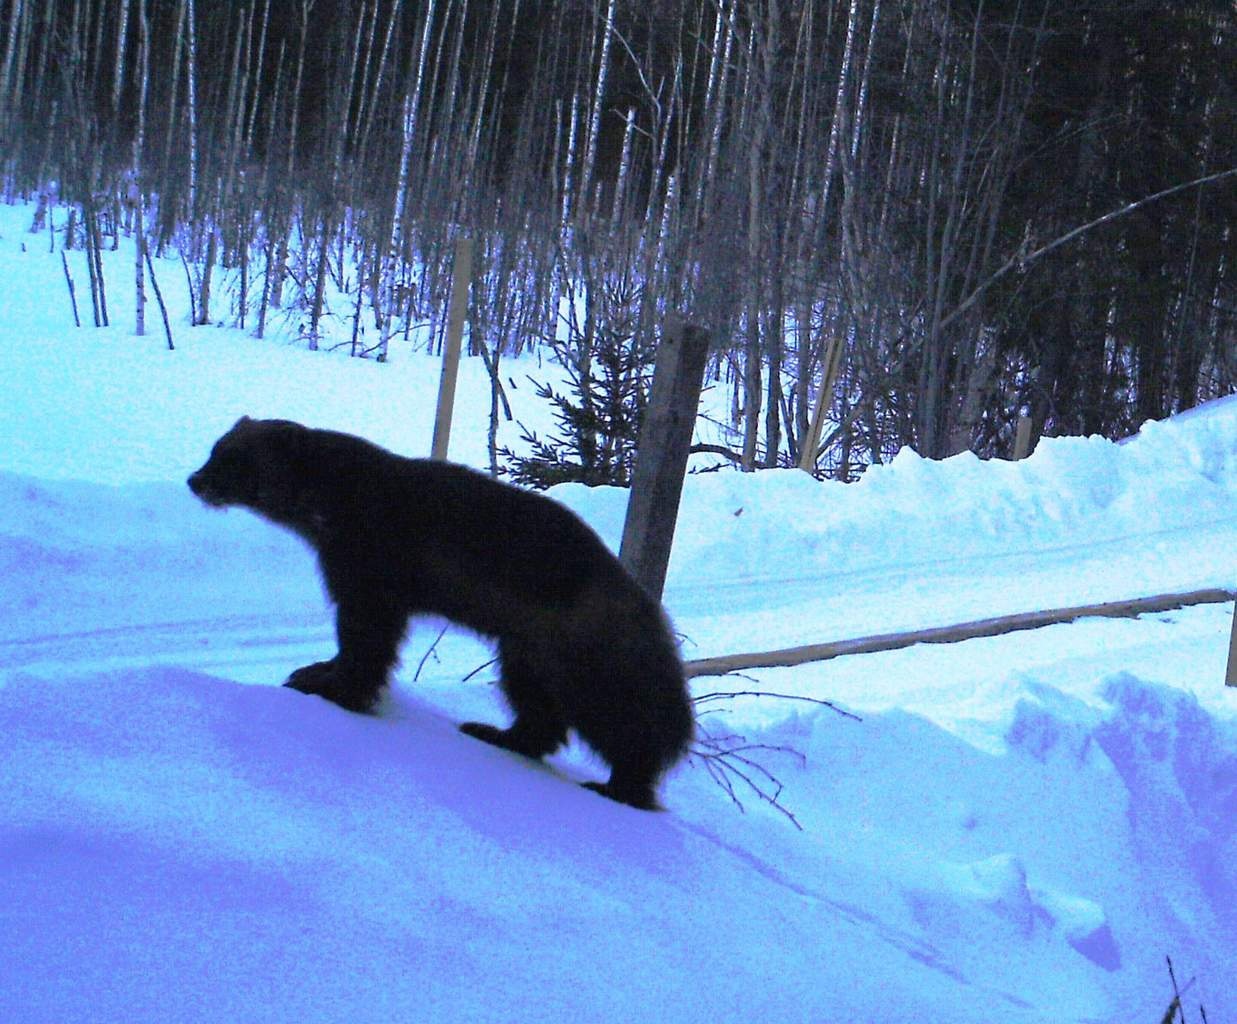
pixel 951 634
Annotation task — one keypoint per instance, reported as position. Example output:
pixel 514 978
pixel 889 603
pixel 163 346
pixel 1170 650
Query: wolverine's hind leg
pixel 539 727
pixel 635 788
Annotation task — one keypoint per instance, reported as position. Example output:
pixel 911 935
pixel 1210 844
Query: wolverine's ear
pixel 281 436
pixel 243 422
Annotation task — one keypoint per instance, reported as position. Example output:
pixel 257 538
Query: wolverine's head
pixel 250 465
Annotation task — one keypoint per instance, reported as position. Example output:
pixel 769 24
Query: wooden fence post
pixel 661 454
pixel 830 367
pixel 1230 677
pixel 457 313
pixel 1022 439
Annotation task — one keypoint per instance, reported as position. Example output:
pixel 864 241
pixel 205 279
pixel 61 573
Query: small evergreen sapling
pixel 598 418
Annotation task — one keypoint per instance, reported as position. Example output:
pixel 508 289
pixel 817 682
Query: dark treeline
pixel 875 189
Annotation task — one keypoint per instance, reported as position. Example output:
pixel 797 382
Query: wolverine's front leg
pixel 369 636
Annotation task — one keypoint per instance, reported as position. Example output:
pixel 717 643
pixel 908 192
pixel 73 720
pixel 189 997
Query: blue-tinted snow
pixel 1020 829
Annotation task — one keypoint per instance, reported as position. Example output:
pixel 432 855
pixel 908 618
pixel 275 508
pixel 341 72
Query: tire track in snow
pixel 192 643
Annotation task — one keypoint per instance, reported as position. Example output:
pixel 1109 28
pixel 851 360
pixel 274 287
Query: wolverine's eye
pixel 230 454
pixel 231 471
pixel 225 462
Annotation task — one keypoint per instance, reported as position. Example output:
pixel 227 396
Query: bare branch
pixel 1021 260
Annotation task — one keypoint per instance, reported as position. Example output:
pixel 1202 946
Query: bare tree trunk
pixel 178 48
pixel 837 122
pixel 91 267
pixel 193 111
pixel 16 13
pixel 319 294
pixel 759 57
pixel 595 105
pixel 371 105
pixel 275 292
pixel 139 140
pixel 212 246
pixel 934 413
pixel 396 242
pixel 122 28
pixel 253 112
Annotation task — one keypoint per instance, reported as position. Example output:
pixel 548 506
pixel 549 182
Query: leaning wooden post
pixel 830 365
pixel 1022 439
pixel 1230 677
pixel 661 456
pixel 461 275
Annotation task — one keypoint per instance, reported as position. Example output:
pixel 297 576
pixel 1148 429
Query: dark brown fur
pixel 581 645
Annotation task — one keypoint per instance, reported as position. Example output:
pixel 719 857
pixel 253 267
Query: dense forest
pixel 941 216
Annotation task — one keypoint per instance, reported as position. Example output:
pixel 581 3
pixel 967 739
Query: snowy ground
pixel 1019 829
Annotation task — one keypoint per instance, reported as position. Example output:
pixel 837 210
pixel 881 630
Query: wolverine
pixel 581 645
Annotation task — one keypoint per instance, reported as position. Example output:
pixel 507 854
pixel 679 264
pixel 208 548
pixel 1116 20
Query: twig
pixel 72 293
pixel 167 327
pixel 731 694
pixel 425 656
pixel 1176 1006
pixel 193 302
pixel 726 760
pixel 479 668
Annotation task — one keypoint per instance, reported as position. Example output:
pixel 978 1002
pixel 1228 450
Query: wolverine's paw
pixel 323 679
pixel 639 797
pixel 507 739
pixel 490 734
pixel 487 733
pixel 312 678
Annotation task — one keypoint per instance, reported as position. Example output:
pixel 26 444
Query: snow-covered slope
pixel 186 848
pixel 1019 829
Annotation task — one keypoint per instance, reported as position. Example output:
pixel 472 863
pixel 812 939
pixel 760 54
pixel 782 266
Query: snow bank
pixel 179 848
pixel 77 558
pixel 914 511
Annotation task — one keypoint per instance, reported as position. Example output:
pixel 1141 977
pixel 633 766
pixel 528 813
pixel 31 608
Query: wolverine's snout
pixel 202 488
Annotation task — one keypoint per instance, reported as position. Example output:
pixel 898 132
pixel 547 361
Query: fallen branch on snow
pixel 951 634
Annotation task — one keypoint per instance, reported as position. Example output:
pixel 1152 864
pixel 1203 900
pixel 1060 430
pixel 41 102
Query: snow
pixel 1020 828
